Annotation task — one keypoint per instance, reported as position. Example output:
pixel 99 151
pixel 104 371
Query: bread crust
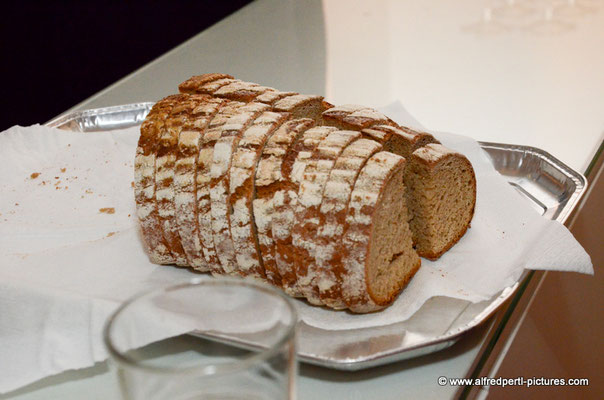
pixel 242 173
pixel 269 181
pixel 286 200
pixel 307 212
pixel 144 181
pixel 195 83
pixel 185 180
pixel 224 148
pixel 332 218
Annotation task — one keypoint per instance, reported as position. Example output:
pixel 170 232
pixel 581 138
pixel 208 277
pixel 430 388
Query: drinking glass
pixel 205 339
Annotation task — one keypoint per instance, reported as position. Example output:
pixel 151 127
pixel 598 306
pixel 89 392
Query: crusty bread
pixel 185 180
pixel 354 117
pixel 398 140
pixel 242 189
pixel 268 182
pixel 378 254
pixel 224 148
pixel 204 165
pixel 194 84
pixel 441 196
pixel 164 174
pixel 310 195
pixel 286 199
pixel 144 180
pixel 236 178
pixel 332 219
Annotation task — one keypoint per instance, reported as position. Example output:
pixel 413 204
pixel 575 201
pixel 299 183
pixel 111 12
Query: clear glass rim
pixel 246 362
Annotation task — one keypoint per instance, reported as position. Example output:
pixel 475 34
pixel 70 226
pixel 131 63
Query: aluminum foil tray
pixel 550 186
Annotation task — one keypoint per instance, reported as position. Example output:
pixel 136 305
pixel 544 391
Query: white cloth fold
pixel 70 250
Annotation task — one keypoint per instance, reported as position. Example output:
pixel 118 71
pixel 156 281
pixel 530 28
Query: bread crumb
pixel 63 169
pixel 107 210
pixel 110 234
pixel 132 184
pixel 34 175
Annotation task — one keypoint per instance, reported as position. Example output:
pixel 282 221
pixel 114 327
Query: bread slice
pixel 354 117
pixel 286 199
pixel 224 149
pixel 332 219
pixel 441 195
pixel 377 249
pixel 242 173
pixel 144 180
pixel 398 140
pixel 302 106
pixel 307 212
pixel 204 165
pixel 267 182
pixel 164 174
pixel 185 180
pixel 194 84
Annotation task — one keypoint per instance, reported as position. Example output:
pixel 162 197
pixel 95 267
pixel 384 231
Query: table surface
pixel 485 69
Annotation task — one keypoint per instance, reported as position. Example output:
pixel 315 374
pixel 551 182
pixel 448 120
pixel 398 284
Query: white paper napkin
pixel 67 260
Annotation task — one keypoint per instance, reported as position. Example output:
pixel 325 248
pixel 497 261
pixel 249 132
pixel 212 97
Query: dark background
pixel 56 54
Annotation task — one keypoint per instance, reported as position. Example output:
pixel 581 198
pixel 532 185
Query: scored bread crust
pixel 185 180
pixel 164 174
pixel 307 213
pixel 358 234
pixel 193 84
pixel 144 180
pixel 334 208
pixel 285 201
pixel 434 156
pixel 224 148
pixel 242 173
pixel 204 165
pixel 354 117
pixel 268 181
pixel 398 140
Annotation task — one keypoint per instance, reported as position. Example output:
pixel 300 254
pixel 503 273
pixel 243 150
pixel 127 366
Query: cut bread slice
pixel 242 172
pixel 310 195
pixel 332 218
pixel 398 140
pixel 441 195
pixel 354 117
pixel 164 174
pixel 302 106
pixel 185 180
pixel 144 180
pixel 194 84
pixel 224 148
pixel 267 182
pixel 286 199
pixel 204 165
pixel 377 249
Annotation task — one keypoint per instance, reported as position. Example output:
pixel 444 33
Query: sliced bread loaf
pixel 242 173
pixel 441 195
pixel 377 248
